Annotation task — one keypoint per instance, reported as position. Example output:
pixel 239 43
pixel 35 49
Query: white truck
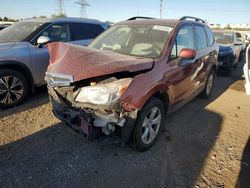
pixel 247 71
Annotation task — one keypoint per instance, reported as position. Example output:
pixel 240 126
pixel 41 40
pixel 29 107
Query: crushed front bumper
pixel 87 118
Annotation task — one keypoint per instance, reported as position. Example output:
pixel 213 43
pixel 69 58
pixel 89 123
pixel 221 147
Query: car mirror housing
pixel 187 54
pixel 42 40
pixel 238 43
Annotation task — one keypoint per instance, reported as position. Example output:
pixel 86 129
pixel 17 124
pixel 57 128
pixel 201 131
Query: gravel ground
pixel 204 144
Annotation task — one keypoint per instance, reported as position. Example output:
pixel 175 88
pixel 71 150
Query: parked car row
pixel 232 48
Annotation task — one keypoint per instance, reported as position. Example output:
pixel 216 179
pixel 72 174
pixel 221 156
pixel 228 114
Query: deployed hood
pixel 4 46
pixel 84 62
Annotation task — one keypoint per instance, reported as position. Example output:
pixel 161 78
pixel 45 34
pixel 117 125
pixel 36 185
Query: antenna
pixel 161 2
pixel 83 4
pixel 59 8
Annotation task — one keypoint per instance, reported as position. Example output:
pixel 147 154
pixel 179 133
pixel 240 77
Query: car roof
pixel 64 19
pixel 223 31
pixel 156 21
pixel 164 22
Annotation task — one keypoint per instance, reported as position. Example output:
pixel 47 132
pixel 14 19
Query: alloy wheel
pixel 11 89
pixel 151 125
pixel 210 84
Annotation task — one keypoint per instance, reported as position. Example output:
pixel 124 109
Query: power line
pixel 161 1
pixel 59 8
pixel 83 4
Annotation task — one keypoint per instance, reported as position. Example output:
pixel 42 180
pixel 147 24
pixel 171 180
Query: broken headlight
pixel 103 94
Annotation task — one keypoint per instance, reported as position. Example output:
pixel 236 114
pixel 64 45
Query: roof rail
pixel 139 17
pixel 190 17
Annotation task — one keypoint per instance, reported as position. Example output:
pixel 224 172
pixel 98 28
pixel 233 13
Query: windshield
pixel 223 38
pixel 18 31
pixel 136 40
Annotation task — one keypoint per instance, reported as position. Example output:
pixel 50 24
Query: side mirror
pixel 238 43
pixel 42 40
pixel 187 54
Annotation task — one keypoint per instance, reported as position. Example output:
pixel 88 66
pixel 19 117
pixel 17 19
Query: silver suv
pixel 24 58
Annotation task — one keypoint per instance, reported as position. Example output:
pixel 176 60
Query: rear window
pixel 210 36
pixel 200 38
pixel 83 31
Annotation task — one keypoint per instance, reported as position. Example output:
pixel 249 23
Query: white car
pixel 247 71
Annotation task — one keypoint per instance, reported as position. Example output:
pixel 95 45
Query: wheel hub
pixel 11 89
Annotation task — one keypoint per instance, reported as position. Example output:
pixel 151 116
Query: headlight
pixel 103 94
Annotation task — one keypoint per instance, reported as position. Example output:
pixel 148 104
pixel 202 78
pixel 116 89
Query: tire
pixel 228 72
pixel 13 88
pixel 209 85
pixel 146 132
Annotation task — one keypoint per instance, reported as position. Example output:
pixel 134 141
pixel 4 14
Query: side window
pixel 84 31
pixel 210 36
pixel 184 39
pixel 57 32
pixel 200 38
pixel 238 37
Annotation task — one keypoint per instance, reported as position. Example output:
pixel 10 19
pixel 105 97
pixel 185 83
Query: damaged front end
pixel 92 106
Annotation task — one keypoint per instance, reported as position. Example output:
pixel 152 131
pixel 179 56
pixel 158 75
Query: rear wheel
pixel 209 85
pixel 13 88
pixel 149 123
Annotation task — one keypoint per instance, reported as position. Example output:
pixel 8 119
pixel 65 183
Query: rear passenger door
pixel 83 33
pixel 205 54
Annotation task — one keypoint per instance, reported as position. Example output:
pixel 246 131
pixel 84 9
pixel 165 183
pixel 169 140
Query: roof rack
pixel 139 17
pixel 190 17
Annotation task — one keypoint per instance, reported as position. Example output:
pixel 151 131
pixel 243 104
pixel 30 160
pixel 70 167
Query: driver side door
pixel 182 71
pixel 39 55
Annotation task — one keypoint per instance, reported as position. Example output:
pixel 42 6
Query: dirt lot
pixel 204 144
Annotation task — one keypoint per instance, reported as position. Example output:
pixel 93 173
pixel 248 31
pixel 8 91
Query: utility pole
pixel 59 8
pixel 83 4
pixel 161 3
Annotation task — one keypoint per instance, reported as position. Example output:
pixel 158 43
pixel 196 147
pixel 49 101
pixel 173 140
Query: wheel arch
pixel 161 93
pixel 22 68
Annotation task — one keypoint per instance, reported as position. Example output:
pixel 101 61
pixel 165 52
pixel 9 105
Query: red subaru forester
pixel 131 76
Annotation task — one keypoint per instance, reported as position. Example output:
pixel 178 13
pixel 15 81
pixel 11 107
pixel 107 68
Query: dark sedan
pixel 226 59
pixel 230 50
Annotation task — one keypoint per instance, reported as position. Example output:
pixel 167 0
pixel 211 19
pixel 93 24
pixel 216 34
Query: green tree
pixel 58 16
pixel 5 19
pixel 1 19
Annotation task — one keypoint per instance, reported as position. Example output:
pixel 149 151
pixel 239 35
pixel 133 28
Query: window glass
pixel 184 39
pixel 136 40
pixel 19 31
pixel 83 31
pixel 57 32
pixel 210 36
pixel 200 38
pixel 223 38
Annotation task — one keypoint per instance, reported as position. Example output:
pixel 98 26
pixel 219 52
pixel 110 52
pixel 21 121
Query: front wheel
pixel 13 88
pixel 209 85
pixel 149 123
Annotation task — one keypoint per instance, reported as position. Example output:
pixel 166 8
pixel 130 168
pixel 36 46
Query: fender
pixel 157 90
pixel 21 67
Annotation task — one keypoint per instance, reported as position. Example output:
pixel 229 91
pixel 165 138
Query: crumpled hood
pixel 4 46
pixel 84 62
